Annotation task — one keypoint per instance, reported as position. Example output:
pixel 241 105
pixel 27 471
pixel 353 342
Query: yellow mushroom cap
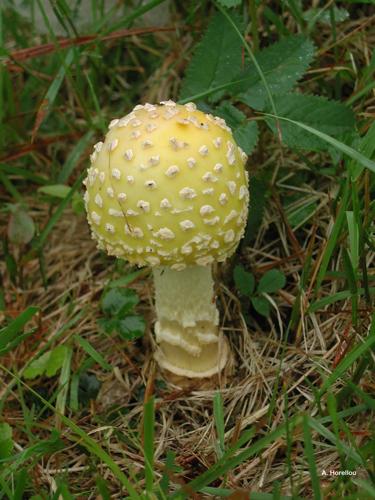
pixel 168 187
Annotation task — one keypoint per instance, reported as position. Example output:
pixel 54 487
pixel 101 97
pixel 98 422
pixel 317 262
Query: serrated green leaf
pixel 244 281
pixel 131 327
pixel 329 117
pixel 216 60
pixel 119 301
pixel 246 136
pixel 283 64
pixel 21 227
pixel 271 281
pixel 233 116
pixel 6 441
pixel 261 305
pixel 48 363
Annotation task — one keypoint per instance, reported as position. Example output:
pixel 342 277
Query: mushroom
pixel 168 189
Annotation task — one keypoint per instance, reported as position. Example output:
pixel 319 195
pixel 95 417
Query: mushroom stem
pixel 187 333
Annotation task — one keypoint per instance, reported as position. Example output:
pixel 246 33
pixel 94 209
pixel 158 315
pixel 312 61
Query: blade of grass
pixel 349 359
pixel 309 454
pixel 366 486
pixel 50 96
pixel 340 445
pixel 344 148
pixel 336 297
pixel 73 157
pixel 84 439
pixel 229 462
pixel 344 395
pixel 23 173
pixel 219 423
pixel 93 353
pixel 335 419
pixel 10 332
pixel 350 276
pixel 353 239
pixel 148 442
pixel 128 20
pixel 64 380
pixel 370 402
pixel 8 185
pixel 53 338
pixel 333 237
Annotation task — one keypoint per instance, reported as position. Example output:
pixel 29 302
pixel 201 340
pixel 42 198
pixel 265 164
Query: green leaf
pixel 88 388
pixel 244 281
pixel 272 281
pixel 283 64
pixel 55 190
pixel 330 117
pixel 119 301
pixel 131 327
pixel 261 305
pixel 6 441
pixel 246 136
pixel 233 116
pixel 107 324
pixel 48 363
pixel 216 60
pixel 21 227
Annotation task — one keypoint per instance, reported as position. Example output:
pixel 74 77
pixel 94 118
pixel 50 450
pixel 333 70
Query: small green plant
pixel 118 307
pixel 270 282
pixel 47 364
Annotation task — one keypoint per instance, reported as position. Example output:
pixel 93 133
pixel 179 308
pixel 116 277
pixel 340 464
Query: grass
pixel 295 406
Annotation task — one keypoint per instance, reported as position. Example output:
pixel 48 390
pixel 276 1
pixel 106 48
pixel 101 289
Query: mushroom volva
pixel 168 189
